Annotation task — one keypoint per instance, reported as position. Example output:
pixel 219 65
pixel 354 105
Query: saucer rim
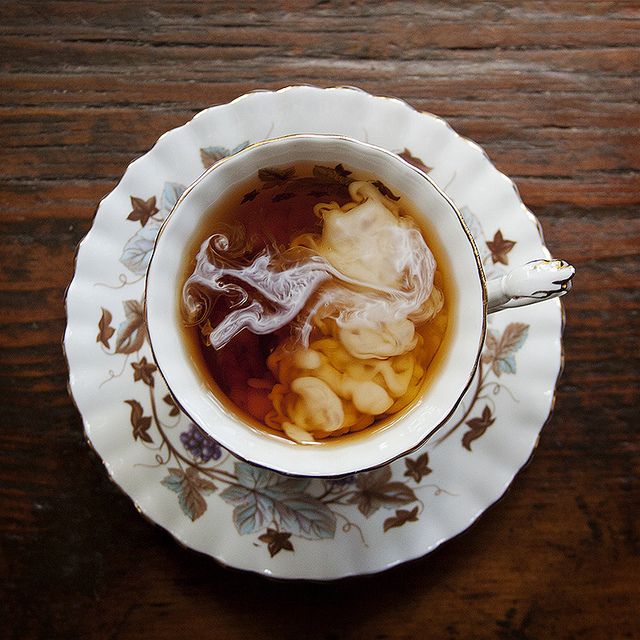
pixel 366 571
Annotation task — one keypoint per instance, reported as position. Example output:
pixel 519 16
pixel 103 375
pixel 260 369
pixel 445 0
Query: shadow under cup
pixel 465 329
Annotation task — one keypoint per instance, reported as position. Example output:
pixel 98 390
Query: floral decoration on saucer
pixel 251 518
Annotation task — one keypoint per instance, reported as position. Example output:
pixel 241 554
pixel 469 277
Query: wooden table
pixel 549 89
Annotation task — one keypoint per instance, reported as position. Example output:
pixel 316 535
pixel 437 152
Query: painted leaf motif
pixel 500 349
pixel 305 516
pixel 105 330
pixel 262 496
pixel 513 337
pixel 137 250
pixel 143 370
pixel 192 503
pixel 190 498
pixel 171 192
pixel 507 365
pixel 253 510
pixel 415 161
pixel 276 541
pixel 211 155
pixel 490 346
pixel 402 516
pixel 500 247
pixel 375 490
pixel 168 399
pixel 253 515
pixel 173 481
pixel 277 484
pixel 190 487
pixel 139 421
pixel 418 468
pixel 235 494
pixel 142 209
pixel 374 478
pixel 198 482
pixel 478 426
pixel 248 514
pixel 131 332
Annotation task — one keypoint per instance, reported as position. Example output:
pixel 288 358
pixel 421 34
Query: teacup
pixel 474 299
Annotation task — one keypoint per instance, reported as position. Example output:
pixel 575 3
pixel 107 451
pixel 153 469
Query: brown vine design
pixel 276 509
pixel 498 358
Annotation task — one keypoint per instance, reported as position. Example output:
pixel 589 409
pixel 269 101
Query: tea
pixel 315 304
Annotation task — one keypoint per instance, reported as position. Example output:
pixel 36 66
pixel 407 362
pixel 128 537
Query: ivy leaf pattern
pixel 139 421
pixel 402 516
pixel 211 155
pixel 261 497
pixel 416 162
pixel 105 330
pixel 418 468
pixel 478 426
pixel 173 411
pixel 374 489
pixel 500 349
pixel 142 209
pixel 143 370
pixel 500 247
pixel 190 487
pixel 276 541
pixel 131 333
pixel 137 250
pixel 171 192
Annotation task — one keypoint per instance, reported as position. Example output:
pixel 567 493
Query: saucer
pixel 251 518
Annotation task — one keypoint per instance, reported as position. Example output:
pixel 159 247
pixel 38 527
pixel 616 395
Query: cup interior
pixel 465 331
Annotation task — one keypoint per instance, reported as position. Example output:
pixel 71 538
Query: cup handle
pixel 532 282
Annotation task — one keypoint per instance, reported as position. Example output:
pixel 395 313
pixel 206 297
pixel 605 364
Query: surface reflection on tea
pixel 315 303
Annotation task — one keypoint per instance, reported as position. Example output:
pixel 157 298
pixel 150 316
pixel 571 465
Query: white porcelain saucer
pixel 253 519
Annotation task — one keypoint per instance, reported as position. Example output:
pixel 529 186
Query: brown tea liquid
pixel 274 208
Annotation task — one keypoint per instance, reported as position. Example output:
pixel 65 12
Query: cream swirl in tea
pixel 326 333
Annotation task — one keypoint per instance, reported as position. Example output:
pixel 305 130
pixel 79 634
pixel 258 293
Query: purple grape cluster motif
pixel 199 445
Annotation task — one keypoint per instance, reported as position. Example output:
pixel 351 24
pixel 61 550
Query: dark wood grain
pixel 549 89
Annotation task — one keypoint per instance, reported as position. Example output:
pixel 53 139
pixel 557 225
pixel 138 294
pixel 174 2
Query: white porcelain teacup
pixel 474 298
